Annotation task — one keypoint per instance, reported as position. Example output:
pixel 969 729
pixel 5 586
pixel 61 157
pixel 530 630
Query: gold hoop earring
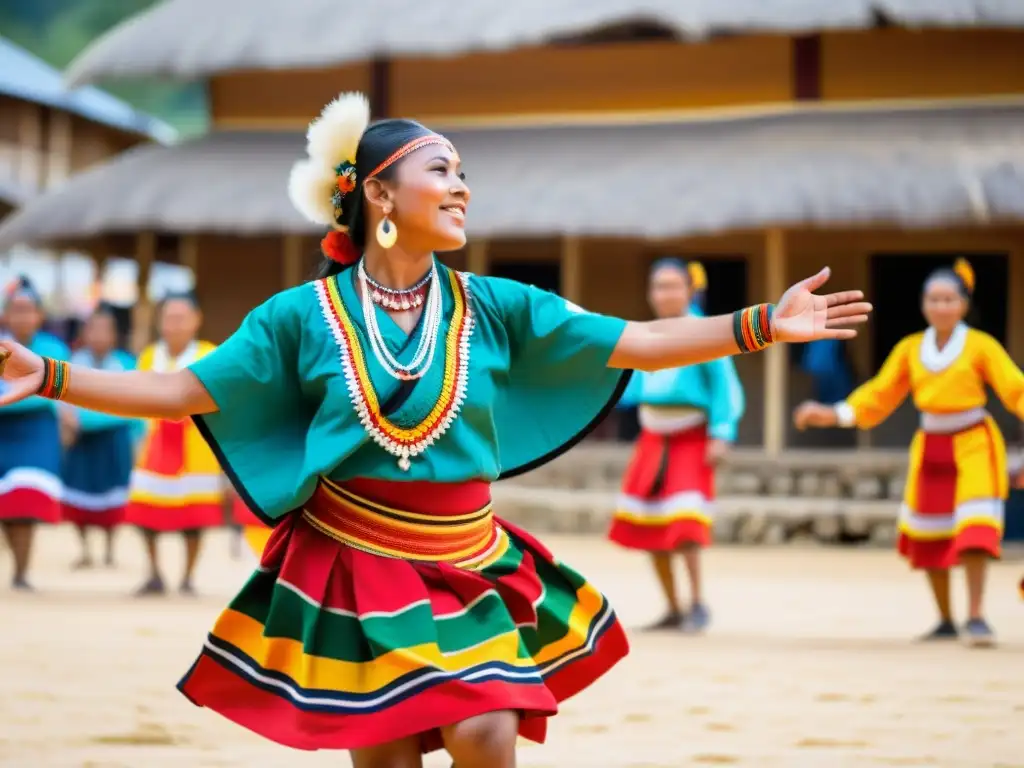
pixel 387 233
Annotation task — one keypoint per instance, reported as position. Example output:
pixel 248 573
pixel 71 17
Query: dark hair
pixel 104 309
pixel 687 268
pixel 381 140
pixel 961 275
pixel 22 286
pixel 186 296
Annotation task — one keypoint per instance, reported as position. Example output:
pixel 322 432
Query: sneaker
pixel 697 620
pixel 945 630
pixel 671 620
pixel 979 634
pixel 20 584
pixel 155 586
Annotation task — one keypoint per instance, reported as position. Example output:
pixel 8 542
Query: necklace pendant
pixel 404 464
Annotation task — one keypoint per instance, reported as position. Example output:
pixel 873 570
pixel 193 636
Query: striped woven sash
pixel 462 530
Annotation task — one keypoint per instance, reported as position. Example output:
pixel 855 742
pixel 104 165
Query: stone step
pixel 748 519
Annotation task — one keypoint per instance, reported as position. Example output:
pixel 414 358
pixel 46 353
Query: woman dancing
pixel 366 414
pixel 952 510
pixel 177 485
pixel 30 448
pixel 98 461
pixel 688 418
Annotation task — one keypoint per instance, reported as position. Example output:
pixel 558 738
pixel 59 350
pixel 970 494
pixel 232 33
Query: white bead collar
pixel 936 360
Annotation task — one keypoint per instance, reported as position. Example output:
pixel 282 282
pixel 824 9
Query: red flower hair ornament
pixel 321 184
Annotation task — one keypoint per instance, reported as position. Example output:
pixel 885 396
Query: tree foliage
pixel 58 30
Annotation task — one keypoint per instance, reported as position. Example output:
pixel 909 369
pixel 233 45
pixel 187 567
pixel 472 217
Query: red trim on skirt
pixel 30 505
pixel 107 518
pixel 664 466
pixel 936 495
pixel 151 517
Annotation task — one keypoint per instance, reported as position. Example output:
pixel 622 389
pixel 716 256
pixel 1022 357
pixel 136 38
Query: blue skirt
pixel 96 472
pixel 30 455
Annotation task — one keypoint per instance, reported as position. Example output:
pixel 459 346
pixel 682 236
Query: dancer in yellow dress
pixel 953 506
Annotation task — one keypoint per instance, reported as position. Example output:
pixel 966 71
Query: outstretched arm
pixel 137 394
pixel 799 316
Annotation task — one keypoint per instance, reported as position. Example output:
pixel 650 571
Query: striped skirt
pixel 96 473
pixel 30 455
pixel 177 484
pixel 370 621
pixel 955 496
pixel 667 493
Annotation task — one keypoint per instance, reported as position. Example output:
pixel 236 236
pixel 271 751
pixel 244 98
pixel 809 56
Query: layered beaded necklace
pixel 424 356
pixel 404 443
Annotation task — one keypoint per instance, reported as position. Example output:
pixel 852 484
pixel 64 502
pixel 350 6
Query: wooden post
pixel 478 258
pixel 188 254
pixel 142 312
pixel 776 364
pixel 31 170
pixel 58 164
pixel 571 273
pixel 291 262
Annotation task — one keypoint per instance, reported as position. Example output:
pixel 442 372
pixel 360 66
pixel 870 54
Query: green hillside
pixel 57 30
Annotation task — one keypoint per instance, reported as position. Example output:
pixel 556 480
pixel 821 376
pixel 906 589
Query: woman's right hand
pixel 812 414
pixel 21 371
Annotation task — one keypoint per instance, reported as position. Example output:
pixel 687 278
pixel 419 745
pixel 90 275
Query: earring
pixel 387 233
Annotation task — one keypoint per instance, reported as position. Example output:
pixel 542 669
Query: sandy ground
pixel 808 664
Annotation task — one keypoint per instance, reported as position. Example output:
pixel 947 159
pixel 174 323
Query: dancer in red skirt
pixel 365 415
pixel 953 506
pixel 688 418
pixel 100 448
pixel 177 485
pixel 30 449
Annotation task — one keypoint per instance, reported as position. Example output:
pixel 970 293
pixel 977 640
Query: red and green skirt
pixel 668 493
pixel 387 610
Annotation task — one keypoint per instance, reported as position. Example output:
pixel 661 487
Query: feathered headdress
pixel 322 187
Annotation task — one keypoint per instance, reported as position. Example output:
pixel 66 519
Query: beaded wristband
pixel 752 327
pixel 56 375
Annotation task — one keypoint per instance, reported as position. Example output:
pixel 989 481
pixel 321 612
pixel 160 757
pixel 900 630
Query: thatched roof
pixel 27 77
pixel 194 38
pixel 911 168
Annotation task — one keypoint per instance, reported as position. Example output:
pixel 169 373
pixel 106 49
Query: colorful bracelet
pixel 56 375
pixel 752 327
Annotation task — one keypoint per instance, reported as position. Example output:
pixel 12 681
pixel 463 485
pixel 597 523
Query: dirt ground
pixel 809 663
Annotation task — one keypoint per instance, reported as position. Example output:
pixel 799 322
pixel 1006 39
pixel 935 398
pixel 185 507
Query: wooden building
pixel 48 132
pixel 595 141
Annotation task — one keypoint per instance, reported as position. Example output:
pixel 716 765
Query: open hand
pixel 716 451
pixel 802 315
pixel 21 371
pixel 812 414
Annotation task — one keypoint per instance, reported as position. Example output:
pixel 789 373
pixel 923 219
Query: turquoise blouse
pixel 94 421
pixel 47 345
pixel 538 381
pixel 713 387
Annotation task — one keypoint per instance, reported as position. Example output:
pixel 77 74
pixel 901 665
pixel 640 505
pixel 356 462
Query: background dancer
pixel 952 512
pixel 30 449
pixel 688 418
pixel 177 485
pixel 100 453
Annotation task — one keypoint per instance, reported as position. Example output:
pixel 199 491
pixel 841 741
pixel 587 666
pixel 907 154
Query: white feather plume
pixel 311 186
pixel 334 136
